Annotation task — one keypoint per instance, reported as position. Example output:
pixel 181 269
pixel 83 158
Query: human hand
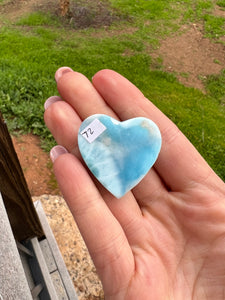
pixel 166 238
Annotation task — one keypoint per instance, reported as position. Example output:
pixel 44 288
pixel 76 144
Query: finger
pixel 63 122
pixel 79 92
pixel 179 164
pixel 101 231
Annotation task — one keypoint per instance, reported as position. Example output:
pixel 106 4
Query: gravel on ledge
pixel 72 247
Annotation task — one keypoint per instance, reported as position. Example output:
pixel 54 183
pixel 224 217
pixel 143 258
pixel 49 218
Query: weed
pixel 216 61
pixel 184 75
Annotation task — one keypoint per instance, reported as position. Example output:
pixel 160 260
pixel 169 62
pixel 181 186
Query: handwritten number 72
pixel 88 132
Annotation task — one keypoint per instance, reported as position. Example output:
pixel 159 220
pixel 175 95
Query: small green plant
pixel 52 183
pixel 184 75
pixel 216 61
pixel 221 3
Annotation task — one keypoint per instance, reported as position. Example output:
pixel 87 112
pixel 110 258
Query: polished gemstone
pixel 119 154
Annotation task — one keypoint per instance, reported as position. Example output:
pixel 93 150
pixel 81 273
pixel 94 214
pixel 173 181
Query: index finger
pixel 179 163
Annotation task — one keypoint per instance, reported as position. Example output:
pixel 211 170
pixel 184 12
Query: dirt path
pixel 191 56
pixel 36 165
pixel 13 10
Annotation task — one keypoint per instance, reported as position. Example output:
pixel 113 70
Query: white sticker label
pixel 93 130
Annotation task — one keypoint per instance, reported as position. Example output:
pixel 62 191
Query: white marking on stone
pixel 93 130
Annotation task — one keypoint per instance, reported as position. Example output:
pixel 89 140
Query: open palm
pixel 166 238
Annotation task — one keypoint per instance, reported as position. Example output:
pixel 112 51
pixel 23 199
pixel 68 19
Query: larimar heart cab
pixel 119 154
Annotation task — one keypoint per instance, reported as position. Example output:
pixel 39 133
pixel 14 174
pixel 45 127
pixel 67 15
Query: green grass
pixel 214 26
pixel 33 48
pixel 39 19
pixel 221 3
pixel 216 87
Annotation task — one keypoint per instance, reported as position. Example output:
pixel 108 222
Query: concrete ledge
pixel 13 283
pixel 54 261
pixel 40 271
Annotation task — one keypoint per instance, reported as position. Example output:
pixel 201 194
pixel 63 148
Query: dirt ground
pixel 189 55
pixel 36 165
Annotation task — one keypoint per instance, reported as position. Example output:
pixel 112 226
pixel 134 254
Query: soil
pixel 13 10
pixel 188 54
pixel 191 56
pixel 36 165
pixel 82 13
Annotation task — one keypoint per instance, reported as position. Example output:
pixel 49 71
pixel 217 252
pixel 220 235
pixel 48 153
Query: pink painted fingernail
pixel 56 152
pixel 51 100
pixel 62 71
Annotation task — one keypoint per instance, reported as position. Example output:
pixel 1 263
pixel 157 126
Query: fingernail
pixel 51 100
pixel 62 71
pixel 56 152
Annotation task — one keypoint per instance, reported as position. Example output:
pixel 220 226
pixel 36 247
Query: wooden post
pixel 17 199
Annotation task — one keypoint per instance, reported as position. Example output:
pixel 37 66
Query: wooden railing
pixel 13 187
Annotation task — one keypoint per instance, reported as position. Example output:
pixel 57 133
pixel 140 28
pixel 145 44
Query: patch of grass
pixel 160 9
pixel 151 10
pixel 52 183
pixel 184 75
pixel 214 26
pixel 46 34
pixel 39 19
pixel 159 18
pixel 154 19
pixel 221 3
pixel 215 85
pixel 195 10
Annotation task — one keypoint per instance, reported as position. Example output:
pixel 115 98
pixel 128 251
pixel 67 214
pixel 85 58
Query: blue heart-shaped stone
pixel 119 154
